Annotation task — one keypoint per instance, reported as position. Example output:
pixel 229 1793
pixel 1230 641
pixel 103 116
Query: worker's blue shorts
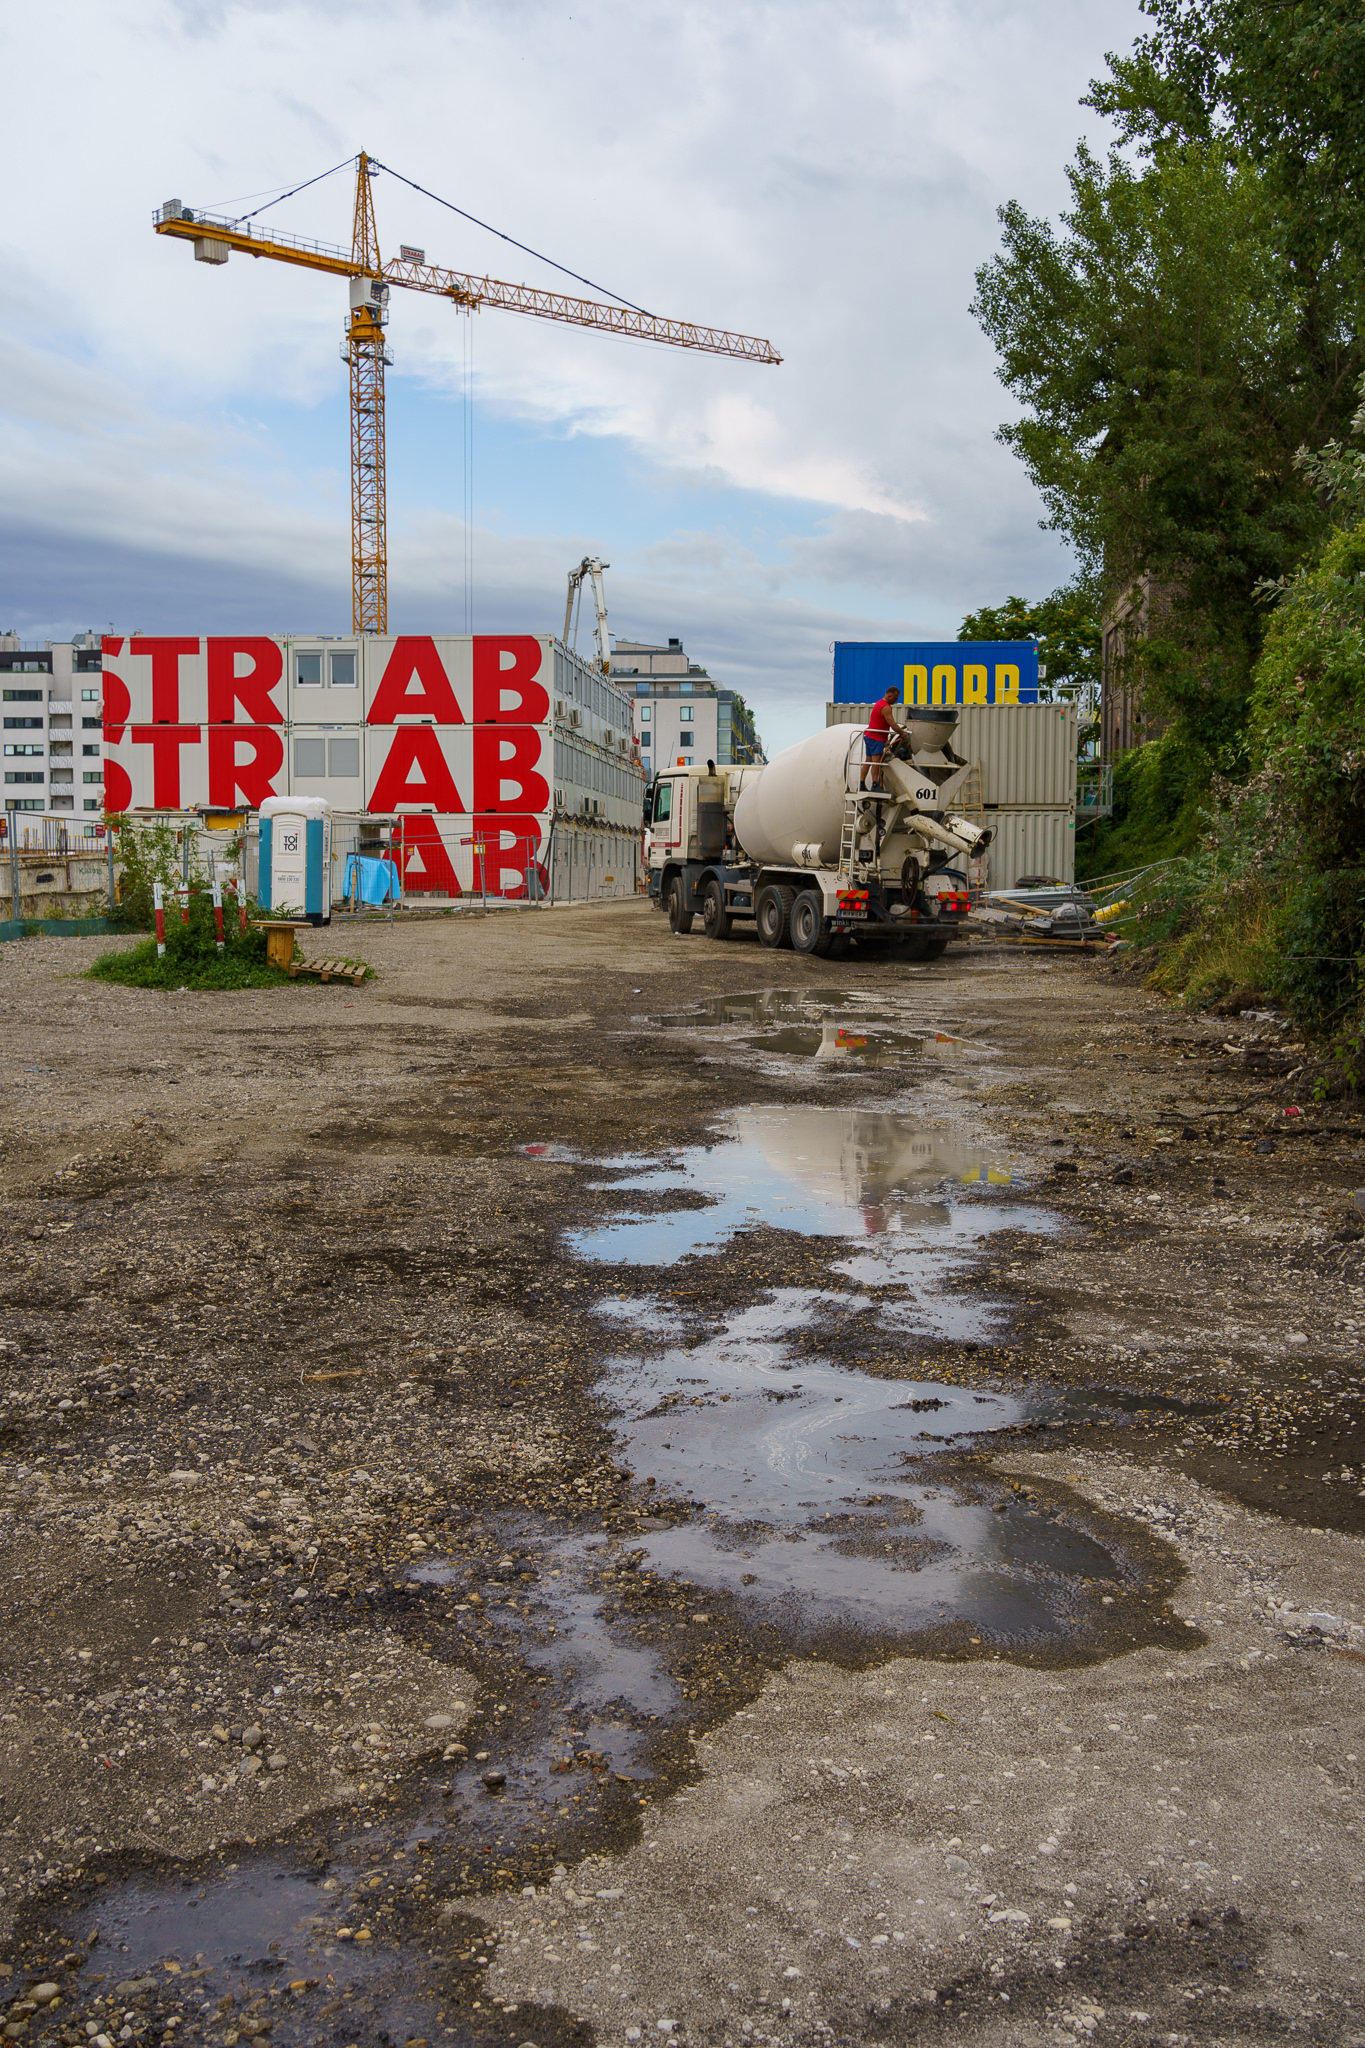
pixel 874 749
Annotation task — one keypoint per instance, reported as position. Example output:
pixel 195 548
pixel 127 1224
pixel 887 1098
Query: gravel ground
pixel 360 1683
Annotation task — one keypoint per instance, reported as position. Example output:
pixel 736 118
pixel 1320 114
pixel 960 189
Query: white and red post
pixel 159 904
pixel 217 912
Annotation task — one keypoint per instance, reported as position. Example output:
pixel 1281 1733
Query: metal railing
pixel 1095 790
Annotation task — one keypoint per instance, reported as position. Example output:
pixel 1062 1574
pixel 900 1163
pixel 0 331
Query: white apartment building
pixel 681 713
pixel 50 703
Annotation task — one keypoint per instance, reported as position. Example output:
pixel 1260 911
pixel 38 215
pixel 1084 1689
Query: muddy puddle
pixel 825 1024
pixel 770 1447
pixel 864 1174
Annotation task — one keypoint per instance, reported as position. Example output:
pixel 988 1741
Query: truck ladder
pixel 859 815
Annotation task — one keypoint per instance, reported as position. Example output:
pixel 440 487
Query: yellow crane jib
pixel 366 352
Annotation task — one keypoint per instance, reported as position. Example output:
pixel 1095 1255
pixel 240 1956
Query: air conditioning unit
pixel 559 799
pixel 559 707
pixel 575 717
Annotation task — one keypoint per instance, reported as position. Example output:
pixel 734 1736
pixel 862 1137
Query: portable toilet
pixel 295 874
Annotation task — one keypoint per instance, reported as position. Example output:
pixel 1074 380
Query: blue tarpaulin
pixel 379 880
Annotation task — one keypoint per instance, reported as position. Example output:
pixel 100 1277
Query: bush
pixel 192 959
pixel 1319 963
pixel 1159 794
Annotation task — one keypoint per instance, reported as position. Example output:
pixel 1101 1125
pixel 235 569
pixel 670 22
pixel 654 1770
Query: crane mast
pixel 366 355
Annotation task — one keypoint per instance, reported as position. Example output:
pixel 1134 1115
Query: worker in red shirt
pixel 875 736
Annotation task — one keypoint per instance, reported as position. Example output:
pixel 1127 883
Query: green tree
pixel 1194 320
pixel 1067 624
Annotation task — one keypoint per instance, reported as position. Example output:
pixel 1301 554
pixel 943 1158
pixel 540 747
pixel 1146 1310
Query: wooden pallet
pixel 344 970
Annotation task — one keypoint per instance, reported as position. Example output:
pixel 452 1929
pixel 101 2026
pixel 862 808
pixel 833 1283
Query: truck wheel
pixel 772 915
pixel 808 924
pixel 715 918
pixel 679 920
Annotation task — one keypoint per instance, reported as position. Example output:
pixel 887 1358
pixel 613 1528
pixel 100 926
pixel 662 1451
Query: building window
pixel 343 755
pixel 646 713
pixel 22 776
pixel 308 671
pixel 23 803
pixel 686 714
pixel 92 803
pixel 90 724
pixel 90 696
pixel 23 725
pixel 21 750
pixel 22 696
pixel 343 671
pixel 98 776
pixel 310 757
pixel 91 750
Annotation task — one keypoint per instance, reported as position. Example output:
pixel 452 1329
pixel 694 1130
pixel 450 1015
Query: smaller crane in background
pixel 588 570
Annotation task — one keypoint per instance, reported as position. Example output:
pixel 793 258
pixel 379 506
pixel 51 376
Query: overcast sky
pixel 175 450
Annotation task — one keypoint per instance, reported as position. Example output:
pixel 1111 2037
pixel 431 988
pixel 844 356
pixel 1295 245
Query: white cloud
pixel 824 172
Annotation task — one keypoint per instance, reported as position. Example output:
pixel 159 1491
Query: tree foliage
pixel 1068 625
pixel 1193 320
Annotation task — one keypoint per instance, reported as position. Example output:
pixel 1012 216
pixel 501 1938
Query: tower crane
pixel 590 570
pixel 367 353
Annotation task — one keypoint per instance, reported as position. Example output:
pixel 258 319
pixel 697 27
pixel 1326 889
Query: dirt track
pixel 325 1496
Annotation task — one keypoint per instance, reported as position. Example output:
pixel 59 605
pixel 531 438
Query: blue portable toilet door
pixel 263 866
pixel 317 903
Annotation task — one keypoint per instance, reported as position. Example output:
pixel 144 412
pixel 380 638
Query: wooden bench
pixel 344 970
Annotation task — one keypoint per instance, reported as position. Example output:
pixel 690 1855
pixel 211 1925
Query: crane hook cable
pixel 523 246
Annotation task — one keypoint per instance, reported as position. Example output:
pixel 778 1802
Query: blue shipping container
pixel 936 671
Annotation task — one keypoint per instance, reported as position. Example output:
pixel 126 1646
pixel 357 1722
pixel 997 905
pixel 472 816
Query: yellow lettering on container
pixel 1006 682
pixel 916 683
pixel 945 684
pixel 975 689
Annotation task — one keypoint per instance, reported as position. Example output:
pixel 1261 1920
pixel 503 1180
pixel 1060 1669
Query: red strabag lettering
pixel 511 668
pixel 165 658
pixel 504 848
pixel 416 772
pixel 165 742
pixel 507 770
pixel 252 691
pixel 424 863
pixel 254 777
pixel 415 661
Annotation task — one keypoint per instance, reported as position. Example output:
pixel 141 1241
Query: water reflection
pixel 823 1172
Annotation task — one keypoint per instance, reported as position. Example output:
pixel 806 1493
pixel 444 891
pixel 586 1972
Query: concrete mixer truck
pixel 822 848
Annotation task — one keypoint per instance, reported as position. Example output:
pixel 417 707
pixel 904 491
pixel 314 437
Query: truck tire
pixel 679 920
pixel 807 923
pixel 715 918
pixel 772 915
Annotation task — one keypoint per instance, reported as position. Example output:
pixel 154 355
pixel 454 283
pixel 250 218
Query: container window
pixel 343 677
pixel 308 671
pixel 343 755
pixel 310 757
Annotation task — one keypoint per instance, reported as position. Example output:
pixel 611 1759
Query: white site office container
pixel 1040 842
pixel 1027 752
